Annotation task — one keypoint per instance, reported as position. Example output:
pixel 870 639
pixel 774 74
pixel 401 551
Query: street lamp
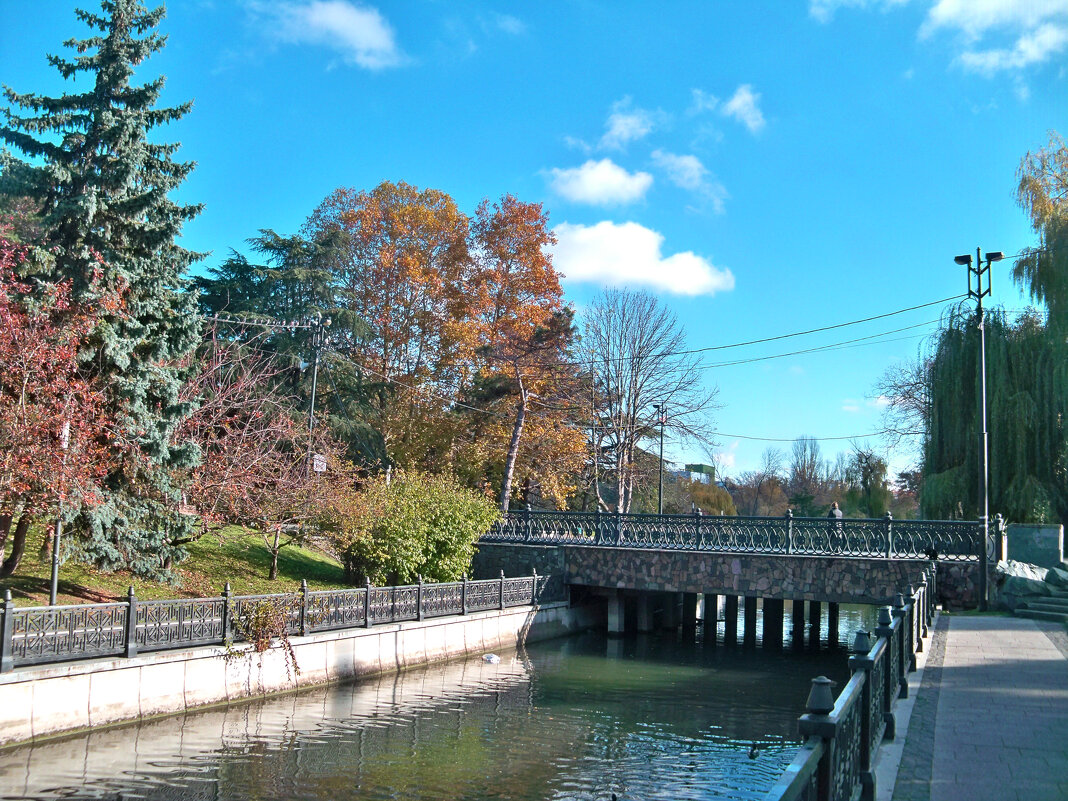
pixel 57 532
pixel 979 292
pixel 661 418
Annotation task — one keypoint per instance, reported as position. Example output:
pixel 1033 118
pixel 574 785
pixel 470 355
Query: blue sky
pixel 763 168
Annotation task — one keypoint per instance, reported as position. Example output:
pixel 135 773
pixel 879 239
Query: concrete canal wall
pixel 47 700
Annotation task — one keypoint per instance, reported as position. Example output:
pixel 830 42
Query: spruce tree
pixel 102 186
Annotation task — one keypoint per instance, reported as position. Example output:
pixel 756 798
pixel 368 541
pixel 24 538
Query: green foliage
pixel 1027 402
pixel 102 191
pixel 414 525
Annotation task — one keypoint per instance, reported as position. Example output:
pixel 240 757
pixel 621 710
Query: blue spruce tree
pixel 102 186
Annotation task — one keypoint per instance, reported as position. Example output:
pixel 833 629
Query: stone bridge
pixel 638 561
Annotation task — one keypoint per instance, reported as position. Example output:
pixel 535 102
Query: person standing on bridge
pixel 834 531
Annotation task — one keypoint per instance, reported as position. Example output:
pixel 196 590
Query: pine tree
pixel 102 186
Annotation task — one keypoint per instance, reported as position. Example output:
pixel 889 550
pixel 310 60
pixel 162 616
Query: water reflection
pixel 581 718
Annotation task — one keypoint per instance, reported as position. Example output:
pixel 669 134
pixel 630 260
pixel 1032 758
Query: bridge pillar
pixel 815 608
pixel 616 617
pixel 645 612
pixel 749 637
pixel 730 619
pixel 832 624
pixel 710 615
pixel 773 622
pixel 689 613
pixel 668 605
pixel 797 629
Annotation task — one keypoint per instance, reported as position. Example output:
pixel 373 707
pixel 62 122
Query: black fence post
pixel 131 624
pixel 619 527
pixel 463 595
pixel 534 588
pixel 303 607
pixel 699 538
pixel 501 604
pixel 863 662
pixel 816 722
pixel 597 537
pixel 900 614
pixel 789 531
pixel 889 520
pixel 419 599
pixel 227 622
pixel 367 604
pixel 885 630
pixel 528 524
pixel 7 658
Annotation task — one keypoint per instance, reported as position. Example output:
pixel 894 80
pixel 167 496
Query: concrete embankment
pixel 48 700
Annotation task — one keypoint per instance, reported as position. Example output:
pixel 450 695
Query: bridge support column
pixel 689 613
pixel 730 619
pixel 749 637
pixel 773 622
pixel 615 615
pixel 815 609
pixel 710 615
pixel 797 628
pixel 832 624
pixel 668 604
pixel 645 612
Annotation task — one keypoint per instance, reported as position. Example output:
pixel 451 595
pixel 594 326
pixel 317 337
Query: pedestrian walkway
pixel 990 720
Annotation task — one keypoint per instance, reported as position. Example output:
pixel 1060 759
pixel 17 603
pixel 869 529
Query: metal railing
pixel 842 735
pixel 951 540
pixel 46 634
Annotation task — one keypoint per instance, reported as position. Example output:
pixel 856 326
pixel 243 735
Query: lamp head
pixel 965 259
pixel 997 255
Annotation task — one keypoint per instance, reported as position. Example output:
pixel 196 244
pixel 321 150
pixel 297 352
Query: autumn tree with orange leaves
pixel 402 267
pixel 527 332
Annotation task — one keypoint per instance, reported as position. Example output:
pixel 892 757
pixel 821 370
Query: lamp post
pixel 57 532
pixel 318 339
pixel 661 418
pixel 979 292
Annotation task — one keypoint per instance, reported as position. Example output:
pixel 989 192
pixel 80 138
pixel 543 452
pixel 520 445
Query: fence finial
pixel 820 698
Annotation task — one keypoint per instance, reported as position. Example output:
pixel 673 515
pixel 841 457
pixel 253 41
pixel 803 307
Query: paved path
pixel 991 717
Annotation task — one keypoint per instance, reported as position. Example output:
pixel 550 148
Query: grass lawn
pixel 232 555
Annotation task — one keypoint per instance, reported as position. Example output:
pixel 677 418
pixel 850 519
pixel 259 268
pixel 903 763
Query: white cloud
pixel 629 254
pixel 726 459
pixel 850 406
pixel 823 10
pixel 744 108
pixel 510 24
pixel 600 183
pixel 360 33
pixel 1034 47
pixel 702 102
pixel 625 124
pixel 689 173
pixel 976 17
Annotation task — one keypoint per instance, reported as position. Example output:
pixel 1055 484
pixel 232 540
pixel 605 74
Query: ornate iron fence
pixel 952 540
pixel 38 635
pixel 842 735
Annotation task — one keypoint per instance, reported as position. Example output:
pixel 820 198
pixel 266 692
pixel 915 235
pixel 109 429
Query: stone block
pixel 116 695
pixel 205 681
pixel 60 704
pixel 16 712
pixel 161 688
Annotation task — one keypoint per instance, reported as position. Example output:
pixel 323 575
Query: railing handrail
pixel 885 537
pixel 901 627
pixel 46 634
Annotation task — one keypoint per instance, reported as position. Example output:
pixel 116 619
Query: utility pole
pixel 661 411
pixel 318 338
pixel 979 292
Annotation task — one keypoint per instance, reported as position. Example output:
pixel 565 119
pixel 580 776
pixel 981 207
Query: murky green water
pixel 653 717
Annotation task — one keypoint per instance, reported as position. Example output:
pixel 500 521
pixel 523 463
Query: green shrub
pixel 416 524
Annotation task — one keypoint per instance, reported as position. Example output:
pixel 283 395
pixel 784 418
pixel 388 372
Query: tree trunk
pixel 5 527
pixel 18 547
pixel 513 446
pixel 274 558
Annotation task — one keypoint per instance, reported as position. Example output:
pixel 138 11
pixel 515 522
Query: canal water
pixel 648 717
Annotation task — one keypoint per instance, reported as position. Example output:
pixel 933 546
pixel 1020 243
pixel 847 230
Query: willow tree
pixel 101 184
pixel 1027 402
